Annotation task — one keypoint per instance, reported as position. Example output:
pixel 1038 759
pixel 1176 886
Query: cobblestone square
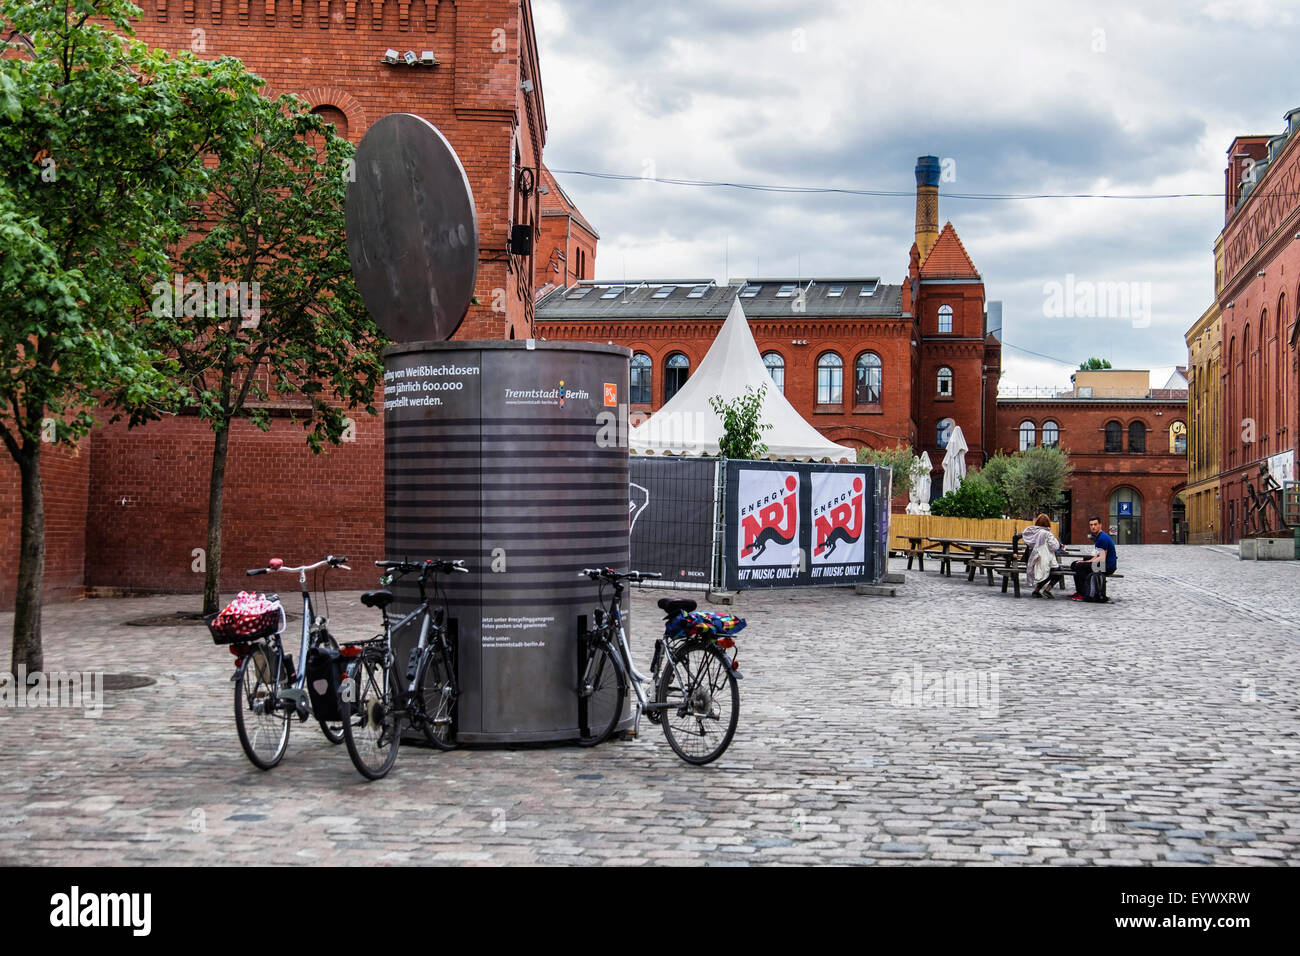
pixel 949 725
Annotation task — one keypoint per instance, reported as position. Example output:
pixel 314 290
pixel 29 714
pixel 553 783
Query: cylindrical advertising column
pixel 512 456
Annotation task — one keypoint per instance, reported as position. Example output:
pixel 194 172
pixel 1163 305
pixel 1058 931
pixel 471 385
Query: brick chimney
pixel 927 204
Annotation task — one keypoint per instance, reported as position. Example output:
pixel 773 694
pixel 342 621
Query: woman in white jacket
pixel 1041 546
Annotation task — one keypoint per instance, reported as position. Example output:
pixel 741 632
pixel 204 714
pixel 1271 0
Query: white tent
pixel 688 425
pixel 954 460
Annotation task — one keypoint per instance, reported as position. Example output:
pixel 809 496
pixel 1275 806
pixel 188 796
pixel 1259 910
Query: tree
pixel 900 461
pixel 102 144
pixel 264 304
pixel 997 469
pixel 1093 364
pixel 1036 480
pixel 742 433
pixel 975 497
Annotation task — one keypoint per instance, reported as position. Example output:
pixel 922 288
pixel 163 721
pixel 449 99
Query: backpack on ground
pixel 1094 587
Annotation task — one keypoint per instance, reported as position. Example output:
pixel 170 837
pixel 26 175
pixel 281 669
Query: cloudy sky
pixel 1125 98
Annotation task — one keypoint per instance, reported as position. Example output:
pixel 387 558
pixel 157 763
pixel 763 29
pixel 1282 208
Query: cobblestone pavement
pixel 1158 729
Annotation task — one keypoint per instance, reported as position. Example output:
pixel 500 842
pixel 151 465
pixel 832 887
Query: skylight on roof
pixel 835 291
pixel 786 290
pixel 579 292
pixel 663 292
pixel 868 288
pixel 697 292
pixel 612 292
pixel 750 290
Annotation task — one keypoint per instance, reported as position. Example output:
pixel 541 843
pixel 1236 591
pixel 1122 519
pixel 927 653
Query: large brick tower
pixel 484 94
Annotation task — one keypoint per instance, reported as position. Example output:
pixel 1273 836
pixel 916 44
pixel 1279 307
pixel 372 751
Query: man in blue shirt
pixel 1104 559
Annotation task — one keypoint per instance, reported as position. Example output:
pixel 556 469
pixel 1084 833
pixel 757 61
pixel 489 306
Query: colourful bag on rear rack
pixel 704 624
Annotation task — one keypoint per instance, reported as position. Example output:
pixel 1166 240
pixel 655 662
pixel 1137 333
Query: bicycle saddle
pixel 379 599
pixel 672 608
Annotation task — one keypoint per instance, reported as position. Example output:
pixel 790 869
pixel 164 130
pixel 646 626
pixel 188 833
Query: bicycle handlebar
pixel 435 564
pixel 609 574
pixel 276 564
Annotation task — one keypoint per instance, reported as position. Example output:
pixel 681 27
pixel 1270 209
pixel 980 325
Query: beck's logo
pixel 842 524
pixel 778 521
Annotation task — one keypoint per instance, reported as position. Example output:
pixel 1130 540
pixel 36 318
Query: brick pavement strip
pixel 951 725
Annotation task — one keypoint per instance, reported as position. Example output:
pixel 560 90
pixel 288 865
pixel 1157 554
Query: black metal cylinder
pixel 512 456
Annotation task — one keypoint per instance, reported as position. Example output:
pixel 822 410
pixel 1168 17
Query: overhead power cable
pixel 902 193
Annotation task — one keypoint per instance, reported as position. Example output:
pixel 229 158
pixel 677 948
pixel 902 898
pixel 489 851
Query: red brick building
pixel 128 509
pixel 1257 286
pixel 566 242
pixel 1127 444
pixel 870 365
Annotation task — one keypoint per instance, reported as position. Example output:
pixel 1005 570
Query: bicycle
pixel 371 704
pixel 697 696
pixel 268 689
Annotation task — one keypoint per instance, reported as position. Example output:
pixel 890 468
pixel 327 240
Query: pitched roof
pixel 556 202
pixel 948 258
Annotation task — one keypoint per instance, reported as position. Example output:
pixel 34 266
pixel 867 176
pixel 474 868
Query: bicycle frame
pixel 297 694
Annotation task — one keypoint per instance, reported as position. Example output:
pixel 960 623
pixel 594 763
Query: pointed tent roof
pixel 948 258
pixel 687 424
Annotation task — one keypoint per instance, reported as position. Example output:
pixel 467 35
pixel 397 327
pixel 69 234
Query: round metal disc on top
pixel 412 230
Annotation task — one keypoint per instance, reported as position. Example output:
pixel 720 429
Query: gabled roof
pixel 556 202
pixel 948 258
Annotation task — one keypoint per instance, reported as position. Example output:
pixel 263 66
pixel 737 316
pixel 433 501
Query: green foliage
pixel 996 470
pixel 899 460
pixel 272 235
pixel 1035 482
pixel 742 433
pixel 1093 365
pixel 102 143
pixel 975 497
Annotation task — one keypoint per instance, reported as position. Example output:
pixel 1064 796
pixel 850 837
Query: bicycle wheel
pixel 263 732
pixel 333 729
pixel 603 689
pixel 370 723
pixel 436 695
pixel 704 704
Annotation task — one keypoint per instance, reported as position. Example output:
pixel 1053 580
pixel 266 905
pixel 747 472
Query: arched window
pixel 1178 438
pixel 642 377
pixel 1281 359
pixel 1051 434
pixel 867 383
pixel 830 379
pixel 1137 437
pixel 1126 516
pixel 945 382
pixel 1114 436
pixel 945 318
pixel 676 370
pixel 335 117
pixel 942 431
pixel 776 369
pixel 1028 435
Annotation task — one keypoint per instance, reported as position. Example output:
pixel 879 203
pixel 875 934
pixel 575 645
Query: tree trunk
pixel 216 490
pixel 31 565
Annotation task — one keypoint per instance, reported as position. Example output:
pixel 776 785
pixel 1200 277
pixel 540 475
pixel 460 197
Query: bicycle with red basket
pixel 269 690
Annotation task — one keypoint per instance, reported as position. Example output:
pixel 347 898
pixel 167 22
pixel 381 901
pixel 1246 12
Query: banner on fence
pixel 672 510
pixel 792 524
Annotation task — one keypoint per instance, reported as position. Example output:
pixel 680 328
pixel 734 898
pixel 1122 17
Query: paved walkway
pixel 952 724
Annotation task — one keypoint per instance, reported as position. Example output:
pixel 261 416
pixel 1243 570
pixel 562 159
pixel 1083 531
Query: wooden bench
pixel 1056 579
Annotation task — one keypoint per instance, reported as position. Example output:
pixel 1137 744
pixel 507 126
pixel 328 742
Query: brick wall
pixel 148 496
pixel 65 477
